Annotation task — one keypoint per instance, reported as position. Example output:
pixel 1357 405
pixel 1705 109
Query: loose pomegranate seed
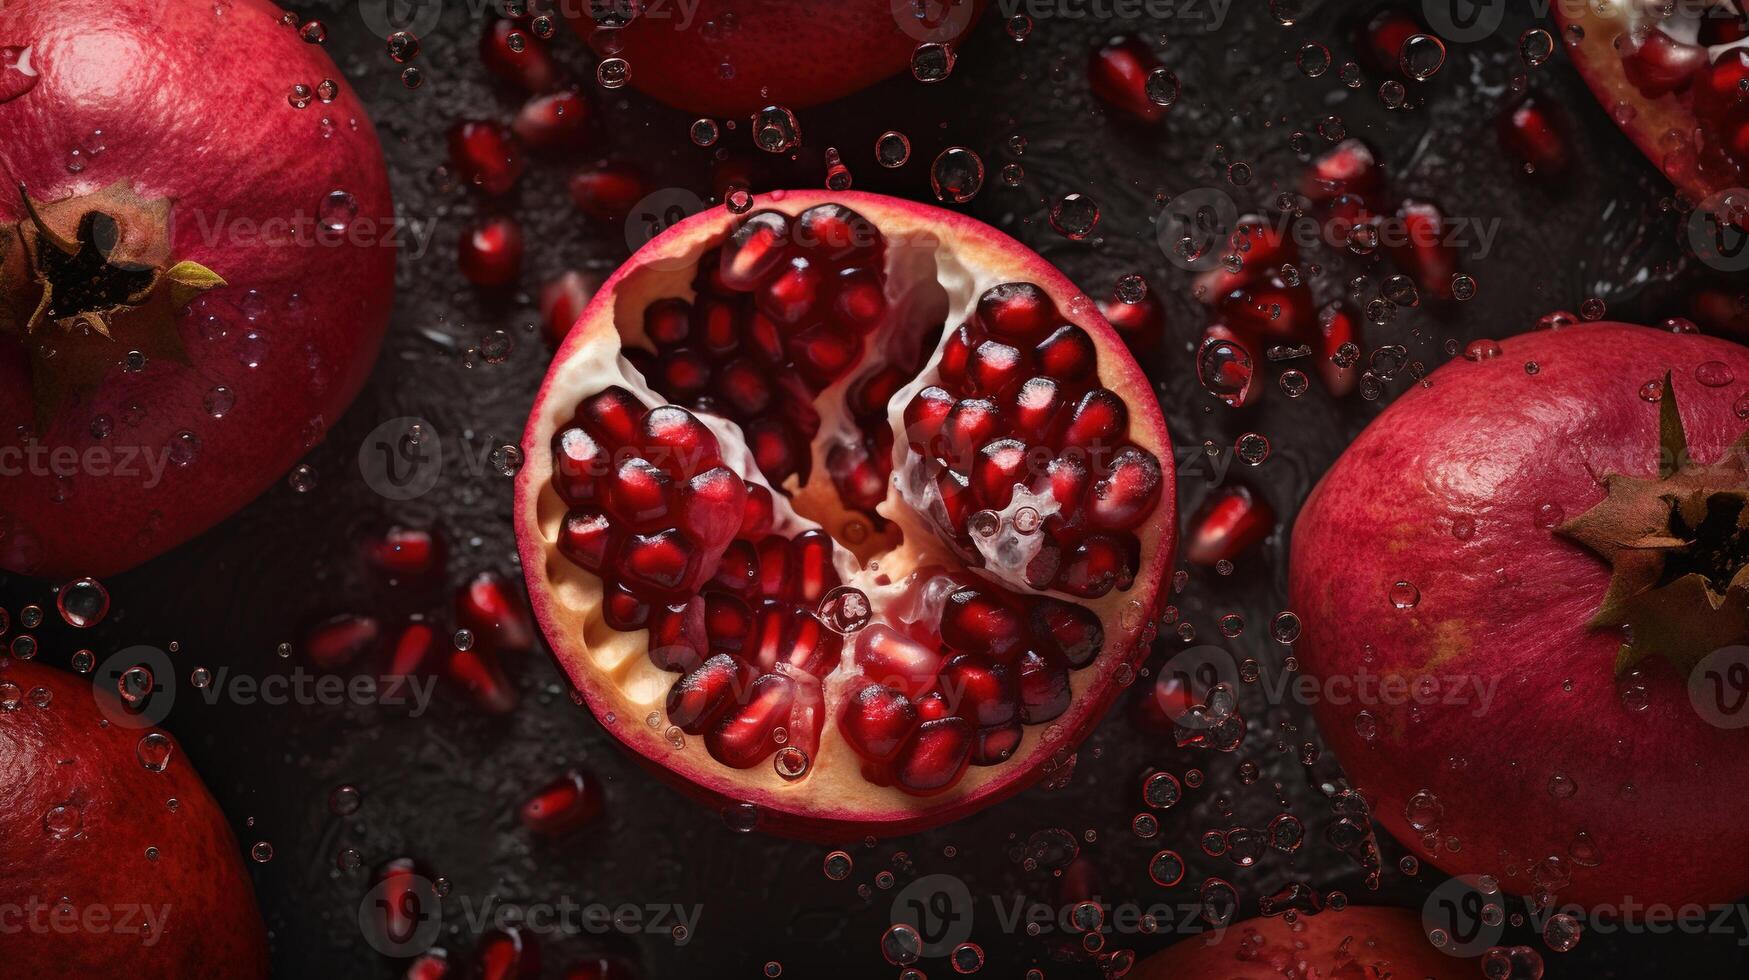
pixel 431 965
pixel 983 623
pixel 1141 323
pixel 1349 167
pixel 1067 629
pixel 1532 136
pixel 410 657
pixel 1271 310
pixel 936 757
pixel 1231 521
pixel 478 673
pixel 508 953
pixel 1044 687
pixel 1383 37
pixel 877 721
pixel 1658 64
pixel 548 121
pixel 405 894
pixel 1337 328
pixel 485 155
pixel 335 643
pixel 1260 247
pixel 490 253
pixel 562 302
pixel 1225 366
pixel 887 657
pixel 1118 74
pixel 404 552
pixel 744 737
pixel 493 609
pixel 1422 250
pixel 563 805
pixel 607 192
pixel 1127 493
pixel 510 52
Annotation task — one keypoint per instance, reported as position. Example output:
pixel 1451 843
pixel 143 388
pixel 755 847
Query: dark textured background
pixel 443 788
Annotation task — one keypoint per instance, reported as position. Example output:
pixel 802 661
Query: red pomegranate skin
pixel 1351 943
pixel 68 754
pixel 192 103
pixel 1456 489
pixel 791 53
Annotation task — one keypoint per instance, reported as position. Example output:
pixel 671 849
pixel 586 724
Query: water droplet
pixel 83 602
pixel 892 149
pixel 1075 216
pixel 1714 374
pixel 261 852
pixel 403 46
pixel 1162 87
pixel 845 609
pixel 1404 595
pixel 932 62
pixel 956 175
pixel 345 800
pixel 838 865
pixel 613 73
pixel 704 132
pixel 775 130
pixel 1421 56
pixel 154 750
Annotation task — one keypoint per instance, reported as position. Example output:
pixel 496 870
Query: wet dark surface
pixel 443 787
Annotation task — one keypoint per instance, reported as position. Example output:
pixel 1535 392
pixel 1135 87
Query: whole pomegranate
pixel 196 265
pixel 734 57
pixel 1535 562
pixel 1352 942
pixel 1675 78
pixel 848 514
pixel 112 852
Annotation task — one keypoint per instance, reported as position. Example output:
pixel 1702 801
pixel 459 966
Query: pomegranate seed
pixel 936 757
pixel 1098 564
pixel 956 354
pixel 698 700
pixel 774 566
pixel 933 706
pixel 1038 405
pixel 1659 64
pixel 563 805
pixel 1231 521
pixel 970 423
pixel 836 232
pixel 562 302
pixel 579 463
pixel 871 394
pixel 727 621
pixel 334 643
pixel 516 56
pixel 624 610
pixel 1338 326
pixel 1067 355
pixel 1723 91
pixel 754 250
pixel 663 562
pixel 490 254
pixel 789 294
pixel 1044 687
pixel 957 500
pixel 994 369
pixel 756 519
pixel 607 192
pixel 1073 631
pixel 678 637
pixel 586 539
pixel 638 494
pixel 711 507
pixel 1098 420
pixel 410 657
pixel 508 953
pixel 996 745
pixel 861 301
pixel 979 622
pixel 478 672
pixel 1142 324
pixel 813 572
pixel 743 386
pixel 1349 167
pixel 713 323
pixel 744 737
pixel 877 721
pixel 1224 366
pixel 1422 251
pixel 999 466
pixel 824 352
pixel 1384 37
pixel 924 418
pixel 405 893
pixel 1271 310
pixel 860 483
pixel 1260 246
pixel 773 449
pixel 1066 479
pixel 886 656
pixel 1533 136
pixel 674 439
pixel 668 322
pixel 612 415
pixel 1118 74
pixel 1018 311
pixel 431 965
pixel 405 552
pixel 485 155
pixel 548 121
pixel 680 373
pixel 1127 493
pixel 493 609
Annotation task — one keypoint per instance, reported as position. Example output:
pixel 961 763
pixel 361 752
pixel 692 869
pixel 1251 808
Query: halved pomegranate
pixel 1675 78
pixel 849 513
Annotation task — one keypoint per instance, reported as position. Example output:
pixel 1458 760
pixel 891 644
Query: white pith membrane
pixel 929 282
pixel 1683 25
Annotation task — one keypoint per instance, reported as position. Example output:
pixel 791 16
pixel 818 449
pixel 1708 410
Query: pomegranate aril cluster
pixel 1019 407
pixel 780 312
pixel 927 705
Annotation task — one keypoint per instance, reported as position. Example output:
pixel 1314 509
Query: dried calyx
pixel 87 278
pixel 1679 546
